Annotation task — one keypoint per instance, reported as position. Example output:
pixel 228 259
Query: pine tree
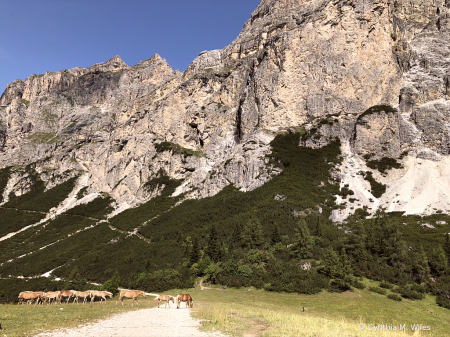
pixel 421 267
pixel 332 266
pixel 318 228
pixel 236 237
pixel 213 249
pixel 303 241
pixel 252 235
pixel 275 237
pixel 394 247
pixel 195 252
pixel 438 261
pixel 112 285
pixel 376 233
pixel 346 265
pixel 447 246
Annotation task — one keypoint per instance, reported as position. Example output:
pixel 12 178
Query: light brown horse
pixel 65 294
pixel 134 294
pixel 185 298
pixel 101 294
pixel 51 295
pixel 83 294
pixel 167 298
pixel 30 296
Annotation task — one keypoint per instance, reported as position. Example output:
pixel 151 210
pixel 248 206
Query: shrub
pixel 358 285
pixel 245 271
pixel 419 288
pixel 443 301
pixel 394 297
pixel 377 109
pixel 44 138
pixel 177 149
pixel 112 285
pixel 406 292
pixel 377 189
pixel 386 285
pixel 384 164
pixel 97 208
pixel 338 286
pixel 378 290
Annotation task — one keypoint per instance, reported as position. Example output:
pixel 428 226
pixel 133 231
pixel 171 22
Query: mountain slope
pixel 321 111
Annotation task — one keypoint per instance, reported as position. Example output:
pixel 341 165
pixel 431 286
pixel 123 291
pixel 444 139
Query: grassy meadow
pixel 237 312
pixel 234 311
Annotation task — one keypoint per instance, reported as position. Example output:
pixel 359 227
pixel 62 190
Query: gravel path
pixel 146 322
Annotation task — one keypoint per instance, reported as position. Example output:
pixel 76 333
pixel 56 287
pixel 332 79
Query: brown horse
pixel 30 296
pixel 101 294
pixel 65 294
pixel 167 298
pixel 185 298
pixel 134 294
pixel 51 295
pixel 83 294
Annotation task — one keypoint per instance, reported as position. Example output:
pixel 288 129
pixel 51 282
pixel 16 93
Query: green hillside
pixel 277 237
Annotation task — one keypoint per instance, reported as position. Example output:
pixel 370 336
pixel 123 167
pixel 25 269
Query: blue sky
pixel 51 35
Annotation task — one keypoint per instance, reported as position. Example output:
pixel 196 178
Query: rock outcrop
pixel 295 63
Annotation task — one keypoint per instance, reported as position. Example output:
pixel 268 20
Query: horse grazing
pixel 83 294
pixel 66 294
pixel 51 295
pixel 134 294
pixel 185 298
pixel 165 298
pixel 101 294
pixel 30 296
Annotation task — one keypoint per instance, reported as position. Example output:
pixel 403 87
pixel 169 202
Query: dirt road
pixel 146 322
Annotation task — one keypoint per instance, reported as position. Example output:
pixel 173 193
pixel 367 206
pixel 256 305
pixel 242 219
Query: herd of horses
pixel 53 297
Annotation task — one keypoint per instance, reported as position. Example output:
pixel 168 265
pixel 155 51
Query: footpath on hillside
pixel 145 322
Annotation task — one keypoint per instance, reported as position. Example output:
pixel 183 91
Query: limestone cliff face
pixel 295 63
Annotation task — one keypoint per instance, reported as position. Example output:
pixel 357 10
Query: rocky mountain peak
pixel 113 64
